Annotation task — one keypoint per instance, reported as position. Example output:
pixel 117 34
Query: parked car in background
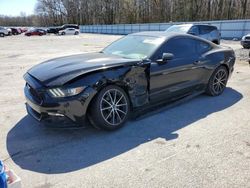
pixel 19 30
pixel 3 32
pixel 38 32
pixel 208 32
pixel 14 31
pixel 55 30
pixel 23 29
pixel 245 41
pixel 65 26
pixel 69 31
pixel 9 31
pixel 43 30
pixel 137 71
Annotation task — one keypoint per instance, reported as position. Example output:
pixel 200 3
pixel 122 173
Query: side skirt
pixel 159 107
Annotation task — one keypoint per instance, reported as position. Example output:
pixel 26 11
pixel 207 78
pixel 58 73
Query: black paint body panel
pixel 145 81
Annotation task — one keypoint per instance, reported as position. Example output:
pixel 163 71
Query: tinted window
pixel 203 47
pixel 180 47
pixel 194 30
pixel 179 28
pixel 204 29
pixel 71 26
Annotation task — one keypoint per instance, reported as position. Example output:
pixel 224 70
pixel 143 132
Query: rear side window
pixel 206 29
pixel 203 47
pixel 72 26
pixel 194 30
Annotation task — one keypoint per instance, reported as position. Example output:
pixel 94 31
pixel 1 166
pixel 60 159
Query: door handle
pixel 197 62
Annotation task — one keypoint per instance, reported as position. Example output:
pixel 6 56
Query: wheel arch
pixel 98 88
pixel 224 65
pixel 132 79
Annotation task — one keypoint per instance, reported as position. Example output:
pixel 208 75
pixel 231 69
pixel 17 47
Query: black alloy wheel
pixel 110 109
pixel 218 81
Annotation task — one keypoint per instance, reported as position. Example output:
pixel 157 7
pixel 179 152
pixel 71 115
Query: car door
pixel 73 31
pixel 66 31
pixel 35 32
pixel 178 76
pixel 70 31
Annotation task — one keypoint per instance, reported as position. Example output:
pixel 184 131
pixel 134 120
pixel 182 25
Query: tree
pixel 58 12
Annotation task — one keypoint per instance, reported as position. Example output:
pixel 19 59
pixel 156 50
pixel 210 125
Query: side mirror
pixel 167 56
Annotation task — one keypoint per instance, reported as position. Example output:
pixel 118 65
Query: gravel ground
pixel 204 142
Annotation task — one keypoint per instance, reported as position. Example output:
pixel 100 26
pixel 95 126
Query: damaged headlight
pixel 65 92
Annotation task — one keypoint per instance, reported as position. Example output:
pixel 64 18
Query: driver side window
pixel 180 47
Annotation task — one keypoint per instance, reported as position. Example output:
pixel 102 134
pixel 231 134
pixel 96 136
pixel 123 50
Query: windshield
pixel 179 28
pixel 134 46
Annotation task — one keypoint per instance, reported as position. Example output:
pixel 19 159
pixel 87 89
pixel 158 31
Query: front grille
pixel 247 38
pixel 35 95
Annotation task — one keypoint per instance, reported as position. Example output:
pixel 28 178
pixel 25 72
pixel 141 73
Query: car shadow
pixel 52 151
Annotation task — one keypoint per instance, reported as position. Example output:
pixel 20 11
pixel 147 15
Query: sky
pixel 15 7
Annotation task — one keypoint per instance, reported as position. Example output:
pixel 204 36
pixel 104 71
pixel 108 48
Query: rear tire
pixel 76 33
pixel 216 42
pixel 246 47
pixel 1 34
pixel 110 109
pixel 63 33
pixel 217 82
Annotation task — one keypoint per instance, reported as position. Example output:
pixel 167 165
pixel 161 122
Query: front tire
pixel 110 109
pixel 217 82
pixel 2 35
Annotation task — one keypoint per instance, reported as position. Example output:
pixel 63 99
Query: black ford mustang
pixel 135 71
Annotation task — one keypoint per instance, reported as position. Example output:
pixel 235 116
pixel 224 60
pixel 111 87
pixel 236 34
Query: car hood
pixel 59 71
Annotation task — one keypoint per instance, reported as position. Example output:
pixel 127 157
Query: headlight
pixel 65 92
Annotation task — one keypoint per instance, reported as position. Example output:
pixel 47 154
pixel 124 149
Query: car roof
pixel 70 25
pixel 189 25
pixel 163 34
pixel 194 24
pixel 160 34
